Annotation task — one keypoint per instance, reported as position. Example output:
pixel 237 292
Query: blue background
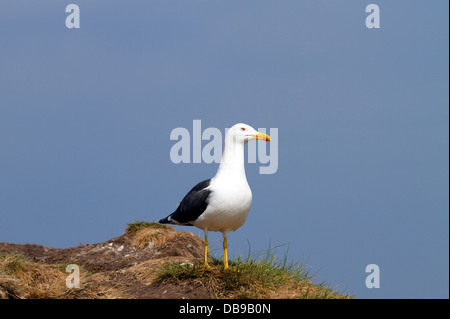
pixel 362 114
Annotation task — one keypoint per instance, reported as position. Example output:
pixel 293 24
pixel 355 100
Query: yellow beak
pixel 262 136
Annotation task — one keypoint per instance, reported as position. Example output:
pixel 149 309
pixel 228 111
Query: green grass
pixel 13 264
pixel 259 275
pixel 134 227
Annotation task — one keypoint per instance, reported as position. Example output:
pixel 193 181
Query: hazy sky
pixel 362 117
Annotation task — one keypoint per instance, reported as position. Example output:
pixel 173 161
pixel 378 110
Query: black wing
pixel 192 205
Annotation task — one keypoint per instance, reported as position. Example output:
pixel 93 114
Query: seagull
pixel 223 202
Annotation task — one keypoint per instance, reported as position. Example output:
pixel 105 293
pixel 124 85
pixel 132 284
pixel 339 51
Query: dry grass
pixel 21 278
pixel 152 237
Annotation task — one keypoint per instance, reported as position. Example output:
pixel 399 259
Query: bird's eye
pixel 242 128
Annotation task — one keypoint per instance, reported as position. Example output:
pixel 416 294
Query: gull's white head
pixel 243 133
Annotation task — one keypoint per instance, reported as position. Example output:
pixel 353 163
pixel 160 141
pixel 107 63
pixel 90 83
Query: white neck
pixel 232 162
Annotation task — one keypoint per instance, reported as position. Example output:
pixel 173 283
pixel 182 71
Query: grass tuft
pixel 260 275
pixel 134 227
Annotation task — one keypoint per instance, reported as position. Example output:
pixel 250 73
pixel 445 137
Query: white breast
pixel 228 207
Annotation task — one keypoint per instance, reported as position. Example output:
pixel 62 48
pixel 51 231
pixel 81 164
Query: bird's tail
pixel 169 220
pixel 166 220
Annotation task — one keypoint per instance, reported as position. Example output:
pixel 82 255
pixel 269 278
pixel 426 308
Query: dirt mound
pixel 149 261
pixel 122 267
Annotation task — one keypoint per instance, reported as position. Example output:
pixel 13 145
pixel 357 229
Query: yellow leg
pixel 225 255
pixel 206 251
